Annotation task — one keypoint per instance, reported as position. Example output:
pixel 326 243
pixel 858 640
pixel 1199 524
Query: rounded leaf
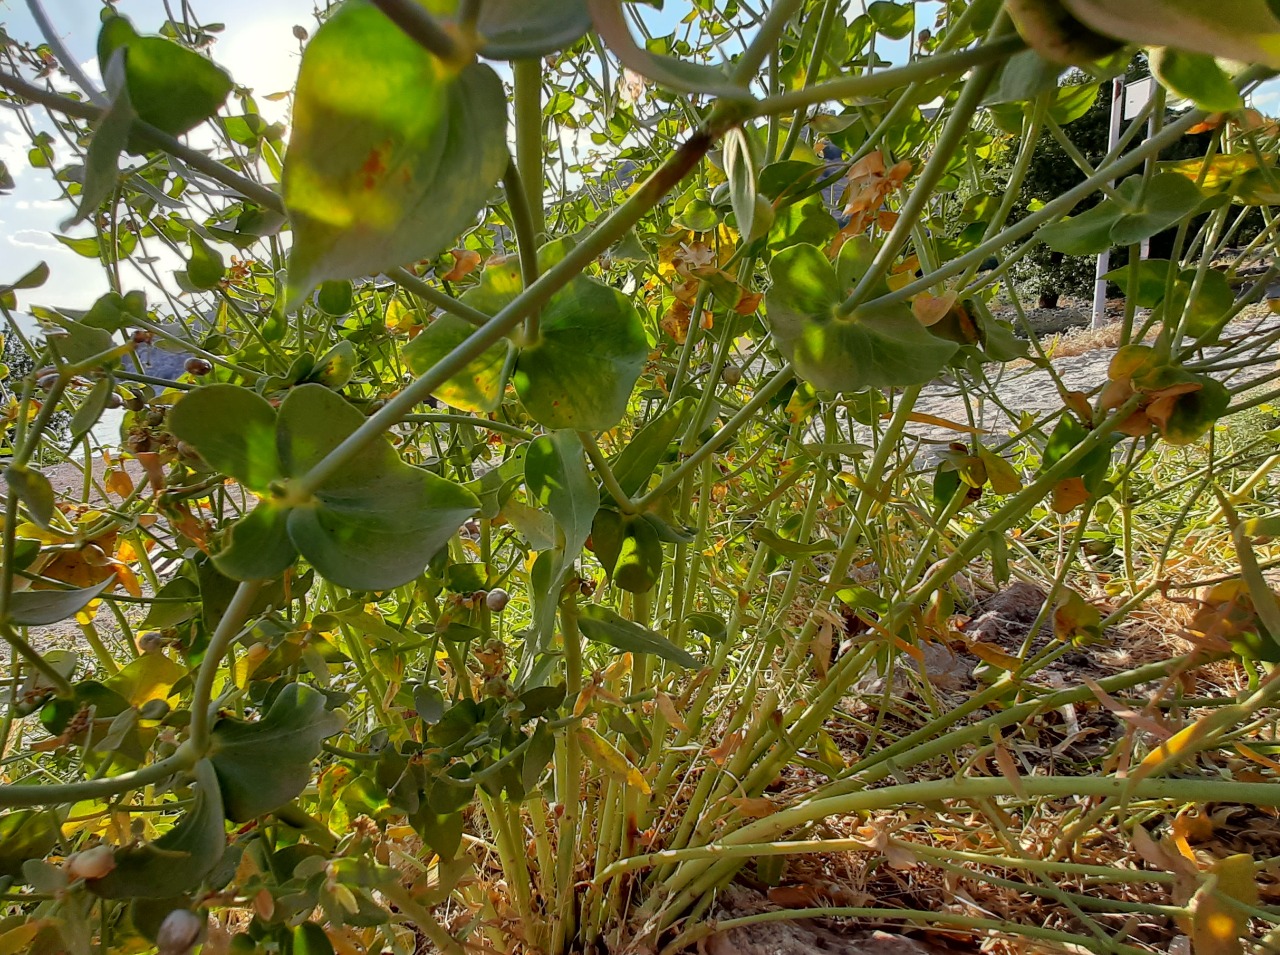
pixel 392 152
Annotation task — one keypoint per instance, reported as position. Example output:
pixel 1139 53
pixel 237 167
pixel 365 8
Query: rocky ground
pixel 1079 357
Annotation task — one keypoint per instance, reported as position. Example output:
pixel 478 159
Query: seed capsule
pixel 91 863
pixel 197 367
pixel 179 932
pixel 497 600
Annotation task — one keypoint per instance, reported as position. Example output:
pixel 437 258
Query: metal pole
pixel 1151 131
pixel 1104 260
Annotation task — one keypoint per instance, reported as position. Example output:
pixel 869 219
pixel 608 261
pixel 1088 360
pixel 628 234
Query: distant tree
pixel 1048 275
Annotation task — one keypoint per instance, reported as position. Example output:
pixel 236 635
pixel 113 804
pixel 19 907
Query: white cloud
pixel 32 239
pixel 13 144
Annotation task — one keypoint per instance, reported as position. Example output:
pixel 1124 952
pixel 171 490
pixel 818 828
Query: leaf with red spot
pixel 392 153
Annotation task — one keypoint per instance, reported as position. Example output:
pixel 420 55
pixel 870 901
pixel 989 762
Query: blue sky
pixel 259 49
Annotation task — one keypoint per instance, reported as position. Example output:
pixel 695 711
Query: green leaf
pixel 257 547
pixel 894 21
pixel 556 474
pixel 179 860
pixel 1092 467
pixel 1194 414
pixel 518 29
pixel 791 548
pixel 1024 76
pixel 697 215
pixel 26 834
pixel 336 367
pixel 537 527
pixel 205 268
pixel 1073 102
pixel 1152 278
pixel 114 312
pixel 709 624
pixel 149 677
pixel 1197 77
pixel 1210 308
pixel 876 346
pixel 233 429
pixel 1086 234
pixel 1168 198
pixel 601 625
pixel 170 87
pixel 609 19
pixel 177 603
pixel 376 521
pixel 1243 30
pixel 87 246
pixel 479 386
pixel 557 479
pixel 263 765
pixel 373 525
pixel 392 152
pixel 33 279
pixel 628 548
pixel 91 409
pixel 309 938
pixel 39 608
pixel 650 445
pixel 32 489
pixel 82 343
pixel 740 170
pixel 110 137
pixel 581 372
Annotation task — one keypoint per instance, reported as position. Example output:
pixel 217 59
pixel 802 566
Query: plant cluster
pixel 543 534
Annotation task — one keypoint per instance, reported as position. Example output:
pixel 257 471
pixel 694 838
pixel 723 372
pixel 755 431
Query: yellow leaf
pixel 1179 744
pixel 919 417
pixel 609 760
pixel 1000 473
pixel 929 309
pixel 465 261
pixel 897 280
pixel 758 807
pixel 1068 494
pixel 829 752
pixel 1075 620
pixel 992 654
pixel 667 707
pixel 19 939
pixel 1007 764
pixel 1216 925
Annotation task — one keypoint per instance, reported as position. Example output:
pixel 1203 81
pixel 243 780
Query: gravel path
pixel 1023 386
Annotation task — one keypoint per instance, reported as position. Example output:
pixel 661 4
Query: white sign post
pixel 1127 101
pixel 1104 260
